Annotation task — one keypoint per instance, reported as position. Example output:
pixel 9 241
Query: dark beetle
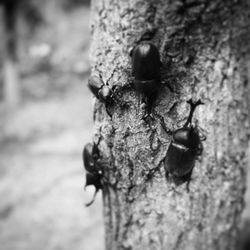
pixel 184 149
pixel 146 67
pixel 94 174
pixel 101 91
pixel 105 94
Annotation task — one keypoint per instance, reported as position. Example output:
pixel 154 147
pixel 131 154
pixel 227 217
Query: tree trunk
pixel 10 60
pixel 210 43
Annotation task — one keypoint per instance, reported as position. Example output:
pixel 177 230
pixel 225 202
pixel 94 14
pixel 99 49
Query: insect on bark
pixel 184 148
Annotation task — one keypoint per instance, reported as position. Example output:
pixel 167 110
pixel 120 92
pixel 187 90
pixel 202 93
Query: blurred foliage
pixel 41 173
pixel 30 10
pixel 31 13
pixel 72 4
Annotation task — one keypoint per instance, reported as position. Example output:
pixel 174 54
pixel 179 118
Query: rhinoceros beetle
pixel 105 94
pixel 94 173
pixel 184 148
pixel 101 91
pixel 146 65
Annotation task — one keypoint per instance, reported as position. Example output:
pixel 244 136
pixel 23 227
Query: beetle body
pixel 101 91
pixel 94 173
pixel 88 159
pixel 181 154
pixel 184 148
pixel 95 180
pixel 146 67
pixel 146 62
pixel 148 87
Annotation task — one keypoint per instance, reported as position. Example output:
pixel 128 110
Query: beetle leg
pixel 144 104
pixel 164 83
pixel 163 125
pixel 187 186
pixel 108 111
pixel 202 137
pixel 178 180
pixel 130 51
pixel 202 133
pixel 117 95
pixel 141 102
pixel 187 179
pixel 167 175
pixel 199 150
pixel 147 116
pixel 172 188
pixel 171 89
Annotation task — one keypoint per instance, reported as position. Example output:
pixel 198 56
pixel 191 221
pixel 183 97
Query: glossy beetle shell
pixel 146 67
pixel 182 152
pixel 184 148
pixel 88 158
pixel 187 136
pixel 146 62
pixel 147 88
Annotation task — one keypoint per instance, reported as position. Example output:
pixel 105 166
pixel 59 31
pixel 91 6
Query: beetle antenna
pixel 93 199
pixel 192 109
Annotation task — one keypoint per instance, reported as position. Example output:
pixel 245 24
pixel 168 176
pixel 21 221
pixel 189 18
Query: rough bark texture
pixel 142 209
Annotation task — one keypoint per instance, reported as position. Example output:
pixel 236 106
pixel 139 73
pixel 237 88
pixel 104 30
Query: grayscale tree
pixel 205 53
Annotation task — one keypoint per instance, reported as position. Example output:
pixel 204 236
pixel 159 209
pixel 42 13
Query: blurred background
pixel 46 118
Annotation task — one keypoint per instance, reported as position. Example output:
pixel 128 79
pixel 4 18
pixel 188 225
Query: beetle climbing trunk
pixel 205 54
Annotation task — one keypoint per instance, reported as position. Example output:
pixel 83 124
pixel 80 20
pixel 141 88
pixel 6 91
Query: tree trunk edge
pixel 105 38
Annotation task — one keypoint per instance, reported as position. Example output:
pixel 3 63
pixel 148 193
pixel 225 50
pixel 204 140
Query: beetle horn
pixel 192 109
pixel 93 199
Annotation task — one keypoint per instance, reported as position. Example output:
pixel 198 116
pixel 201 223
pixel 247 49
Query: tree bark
pixel 210 41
